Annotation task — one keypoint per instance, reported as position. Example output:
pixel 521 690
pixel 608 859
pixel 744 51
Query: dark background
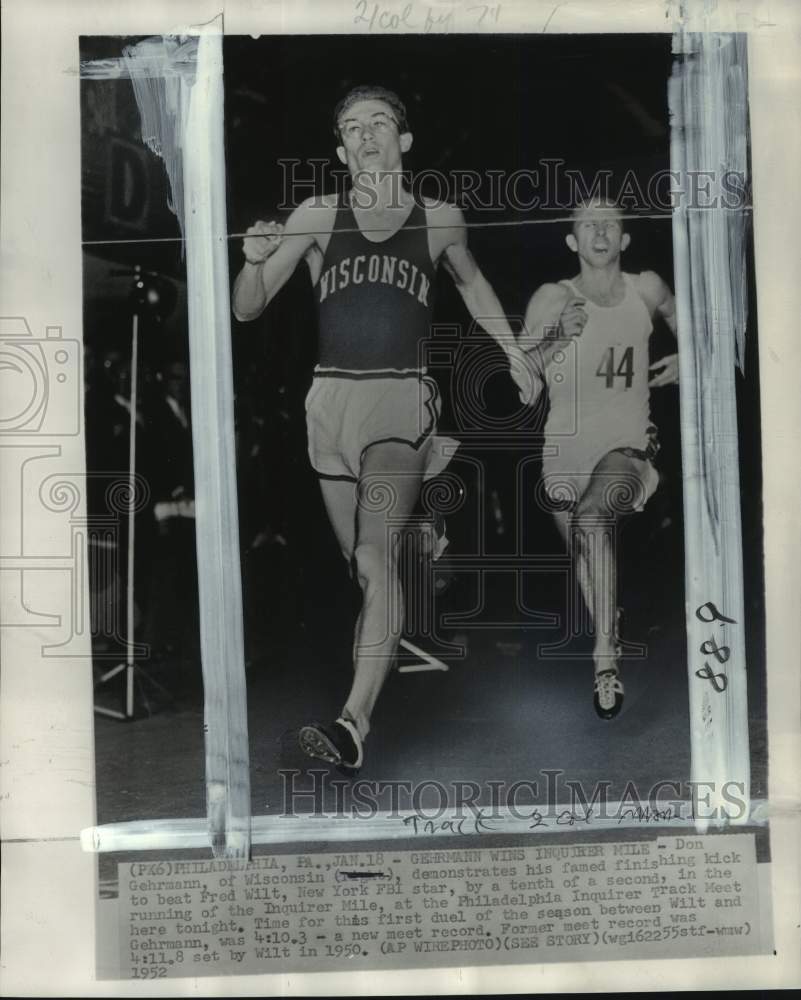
pixel 480 103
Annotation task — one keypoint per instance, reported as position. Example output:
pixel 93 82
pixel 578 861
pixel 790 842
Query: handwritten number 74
pixel 490 13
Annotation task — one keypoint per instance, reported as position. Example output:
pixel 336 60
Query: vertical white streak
pixel 708 133
pixel 129 597
pixel 159 90
pixel 178 85
pixel 217 528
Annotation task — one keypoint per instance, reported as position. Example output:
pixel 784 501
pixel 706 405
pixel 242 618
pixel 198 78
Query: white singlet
pixel 599 397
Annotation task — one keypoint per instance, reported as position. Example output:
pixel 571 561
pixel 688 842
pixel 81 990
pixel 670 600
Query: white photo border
pixel 49 889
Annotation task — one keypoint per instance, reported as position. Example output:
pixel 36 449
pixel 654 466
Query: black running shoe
pixel 338 743
pixel 608 693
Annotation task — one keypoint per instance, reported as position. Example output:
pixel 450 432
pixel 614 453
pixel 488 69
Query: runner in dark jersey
pixel 371 410
pixel 375 297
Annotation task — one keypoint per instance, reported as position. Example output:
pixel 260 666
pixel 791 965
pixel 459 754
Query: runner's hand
pixel 262 241
pixel 670 371
pixel 573 318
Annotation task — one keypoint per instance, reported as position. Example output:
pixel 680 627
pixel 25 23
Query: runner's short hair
pixel 601 201
pixel 366 92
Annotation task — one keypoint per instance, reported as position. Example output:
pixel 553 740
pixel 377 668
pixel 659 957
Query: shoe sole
pixel 316 744
pixel 608 713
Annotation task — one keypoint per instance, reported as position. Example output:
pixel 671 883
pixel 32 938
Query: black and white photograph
pixel 414 502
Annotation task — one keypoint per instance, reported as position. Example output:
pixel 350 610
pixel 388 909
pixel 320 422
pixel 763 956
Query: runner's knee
pixel 373 564
pixel 589 511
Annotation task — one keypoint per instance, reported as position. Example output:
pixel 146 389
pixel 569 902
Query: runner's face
pixel 370 138
pixel 598 236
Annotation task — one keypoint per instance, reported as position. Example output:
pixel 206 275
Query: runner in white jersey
pixel 590 337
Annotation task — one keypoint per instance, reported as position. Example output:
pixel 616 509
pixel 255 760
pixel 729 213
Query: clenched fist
pixel 573 319
pixel 262 241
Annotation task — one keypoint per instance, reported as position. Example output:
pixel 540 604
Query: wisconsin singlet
pixel 598 387
pixel 375 299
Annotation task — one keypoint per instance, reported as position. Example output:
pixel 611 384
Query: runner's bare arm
pixel 314 262
pixel 478 294
pixel 543 315
pixel 553 315
pixel 660 300
pixel 483 304
pixel 272 253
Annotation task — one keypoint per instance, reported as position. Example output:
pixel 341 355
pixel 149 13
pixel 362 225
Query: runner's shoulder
pixel 650 287
pixel 442 213
pixel 543 310
pixel 322 205
pixel 552 294
pixel 330 201
pixel 314 215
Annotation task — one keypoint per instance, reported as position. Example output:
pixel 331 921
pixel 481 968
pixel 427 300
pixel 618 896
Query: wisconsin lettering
pixel 377 269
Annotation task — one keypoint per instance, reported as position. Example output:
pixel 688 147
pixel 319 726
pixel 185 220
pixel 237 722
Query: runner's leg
pixel 339 497
pixel 389 488
pixel 616 487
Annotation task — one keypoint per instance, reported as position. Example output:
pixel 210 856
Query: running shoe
pixel 338 743
pixel 608 693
